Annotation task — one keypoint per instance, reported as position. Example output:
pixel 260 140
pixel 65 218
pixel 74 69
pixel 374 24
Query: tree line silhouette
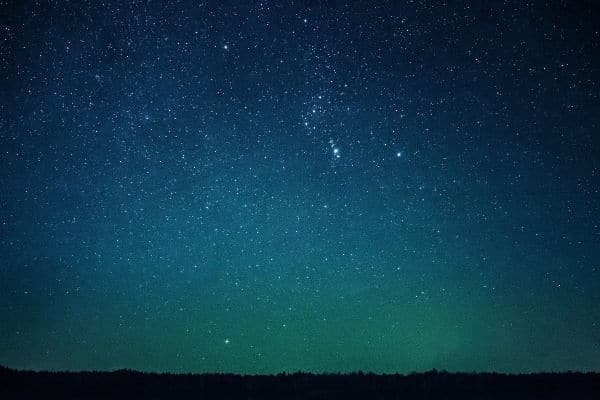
pixel 128 384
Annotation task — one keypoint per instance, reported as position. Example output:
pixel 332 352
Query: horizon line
pixel 301 372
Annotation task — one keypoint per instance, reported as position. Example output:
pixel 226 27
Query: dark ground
pixel 127 384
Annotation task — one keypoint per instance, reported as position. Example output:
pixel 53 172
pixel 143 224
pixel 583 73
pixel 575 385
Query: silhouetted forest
pixel 127 384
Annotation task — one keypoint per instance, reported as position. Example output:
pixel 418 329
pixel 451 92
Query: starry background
pixel 257 187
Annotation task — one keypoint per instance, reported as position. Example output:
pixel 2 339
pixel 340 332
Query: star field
pixel 257 187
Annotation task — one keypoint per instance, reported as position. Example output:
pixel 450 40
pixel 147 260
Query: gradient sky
pixel 257 187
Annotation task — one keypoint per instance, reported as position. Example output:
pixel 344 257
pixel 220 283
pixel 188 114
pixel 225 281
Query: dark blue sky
pixel 257 187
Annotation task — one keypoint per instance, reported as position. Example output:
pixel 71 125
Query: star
pixel 335 149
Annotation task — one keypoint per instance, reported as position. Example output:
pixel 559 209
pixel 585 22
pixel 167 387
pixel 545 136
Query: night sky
pixel 256 187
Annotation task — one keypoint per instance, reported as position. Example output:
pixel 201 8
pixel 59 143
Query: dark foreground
pixel 126 384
